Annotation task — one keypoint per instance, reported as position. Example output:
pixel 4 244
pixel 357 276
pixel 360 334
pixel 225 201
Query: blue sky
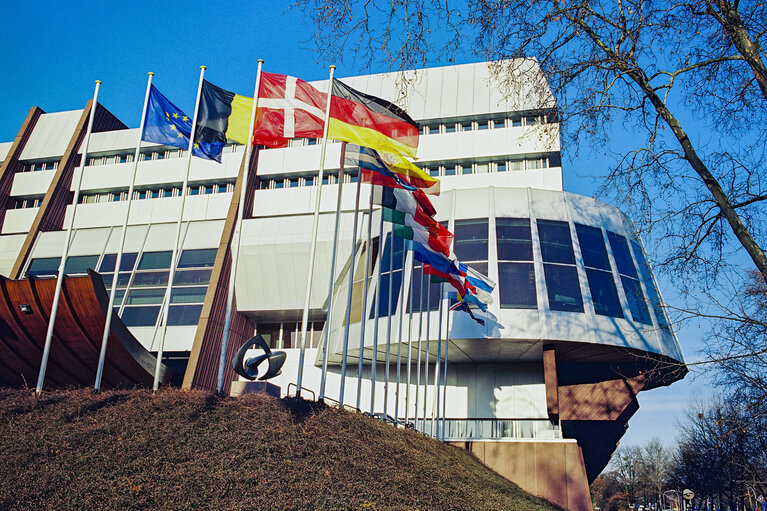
pixel 53 51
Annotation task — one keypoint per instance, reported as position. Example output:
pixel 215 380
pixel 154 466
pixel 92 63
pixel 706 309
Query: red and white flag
pixel 288 108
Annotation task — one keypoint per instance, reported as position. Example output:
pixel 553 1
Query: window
pixel 450 128
pixel 207 189
pixel 449 170
pixel 220 188
pixel 483 125
pixel 500 166
pixel 466 168
pixel 649 284
pixel 433 171
pixel 516 279
pixel 562 284
pixel 140 316
pixel 482 168
pixel 604 294
pixel 309 181
pixel 44 266
pixel 155 260
pixel 515 121
pixel 516 164
pixel 466 126
pixel 80 264
pixel 629 278
pixel 391 275
pixel 197 258
pixel 471 240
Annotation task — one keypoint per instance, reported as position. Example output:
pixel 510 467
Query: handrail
pixel 287 392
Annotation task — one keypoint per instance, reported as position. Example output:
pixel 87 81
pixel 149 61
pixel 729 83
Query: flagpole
pixel 363 318
pixel 67 241
pixel 313 246
pixel 444 374
pixel 118 260
pixel 388 320
pixel 418 357
pixel 234 248
pixel 332 278
pixel 377 298
pixel 426 359
pixel 435 406
pixel 348 310
pixel 174 254
pixel 401 307
pixel 409 340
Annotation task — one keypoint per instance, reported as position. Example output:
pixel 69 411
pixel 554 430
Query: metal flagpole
pixel 348 310
pixel 401 307
pixel 377 298
pixel 388 320
pixel 363 318
pixel 67 241
pixel 418 357
pixel 118 261
pixel 174 255
pixel 444 373
pixel 234 248
pixel 435 405
pixel 409 339
pixel 313 246
pixel 332 277
pixel 426 355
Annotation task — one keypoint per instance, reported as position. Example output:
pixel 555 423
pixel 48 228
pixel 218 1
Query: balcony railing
pixel 492 429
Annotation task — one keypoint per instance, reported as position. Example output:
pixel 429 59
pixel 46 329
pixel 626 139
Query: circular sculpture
pixel 249 368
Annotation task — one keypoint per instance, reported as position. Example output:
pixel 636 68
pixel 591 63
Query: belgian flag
pixel 372 122
pixel 222 116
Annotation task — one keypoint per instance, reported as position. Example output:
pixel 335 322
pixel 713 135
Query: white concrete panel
pixel 114 141
pixel 473 203
pixel 31 183
pixel 5 148
pixel 89 241
pixel 511 203
pixel 19 220
pixel 9 251
pixel 548 205
pixel 134 239
pixel 51 135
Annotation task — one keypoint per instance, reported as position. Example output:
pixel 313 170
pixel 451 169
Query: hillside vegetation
pixel 128 449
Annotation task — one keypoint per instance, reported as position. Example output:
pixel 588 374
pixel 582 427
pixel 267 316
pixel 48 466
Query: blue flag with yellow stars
pixel 166 124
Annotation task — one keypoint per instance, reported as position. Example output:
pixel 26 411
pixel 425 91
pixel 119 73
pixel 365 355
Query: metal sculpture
pixel 248 369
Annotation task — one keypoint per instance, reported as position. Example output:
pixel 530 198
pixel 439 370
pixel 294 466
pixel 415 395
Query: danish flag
pixel 287 108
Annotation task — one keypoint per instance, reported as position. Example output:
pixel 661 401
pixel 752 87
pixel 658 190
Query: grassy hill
pixel 189 450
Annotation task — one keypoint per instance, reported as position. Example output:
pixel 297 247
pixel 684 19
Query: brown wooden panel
pixel 202 369
pixel 11 163
pixel 604 400
pixel 550 377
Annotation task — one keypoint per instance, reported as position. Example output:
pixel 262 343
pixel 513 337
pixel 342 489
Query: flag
pixel 222 116
pixel 411 202
pixel 425 254
pixel 482 285
pixel 428 231
pixel 288 108
pixel 390 170
pixel 463 306
pixel 445 277
pixel 469 298
pixel 166 124
pixel 372 122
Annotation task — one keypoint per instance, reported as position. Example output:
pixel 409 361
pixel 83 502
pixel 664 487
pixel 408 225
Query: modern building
pixel 542 392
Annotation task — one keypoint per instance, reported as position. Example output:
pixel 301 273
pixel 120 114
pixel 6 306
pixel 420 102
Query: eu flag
pixel 166 124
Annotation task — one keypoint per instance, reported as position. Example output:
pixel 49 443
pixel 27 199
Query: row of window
pixel 148 155
pixel 32 202
pixel 42 165
pixel 288 334
pixel 514 120
pixel 143 280
pixel 156 193
pixel 293 181
pixel 516 269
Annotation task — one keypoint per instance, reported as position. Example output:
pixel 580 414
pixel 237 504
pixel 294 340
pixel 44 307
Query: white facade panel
pixel 5 148
pixel 51 135
pixel 31 183
pixel 19 220
pixel 9 250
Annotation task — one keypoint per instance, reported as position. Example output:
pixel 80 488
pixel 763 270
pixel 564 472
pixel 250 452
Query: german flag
pixel 372 122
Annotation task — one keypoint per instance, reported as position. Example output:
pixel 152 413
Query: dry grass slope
pixel 189 450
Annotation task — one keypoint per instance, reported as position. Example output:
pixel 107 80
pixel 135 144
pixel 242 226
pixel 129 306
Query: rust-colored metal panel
pixel 550 378
pixel 50 214
pixel 604 400
pixel 77 336
pixel 202 368
pixel 11 163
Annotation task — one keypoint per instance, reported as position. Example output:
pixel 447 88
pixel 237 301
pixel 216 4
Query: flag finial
pixel 150 73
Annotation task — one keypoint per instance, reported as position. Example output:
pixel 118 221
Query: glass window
pixel 471 240
pixel 517 285
pixel 200 258
pixel 655 301
pixel 563 288
pixel 154 260
pixel 140 316
pixel 637 303
pixel 44 266
pixel 516 164
pixel 434 171
pixel 308 181
pixel 534 163
pixel 145 296
pixel 207 189
pixel 80 264
pixel 466 169
pixel 621 254
pixel 556 244
pixel 514 239
pixel 515 121
pixel 465 126
pixel 500 166
pixel 188 294
pixel 450 127
pixel 429 300
pixel 450 170
pixel 293 182
pixel 193 190
pixel 279 183
pixel 151 278
pixel 382 293
pixel 592 247
pixel 482 168
pixel 498 123
pixel 603 293
pixel 482 125
pixel 184 314
pixel 189 277
pixel 220 188
pixel 127 262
